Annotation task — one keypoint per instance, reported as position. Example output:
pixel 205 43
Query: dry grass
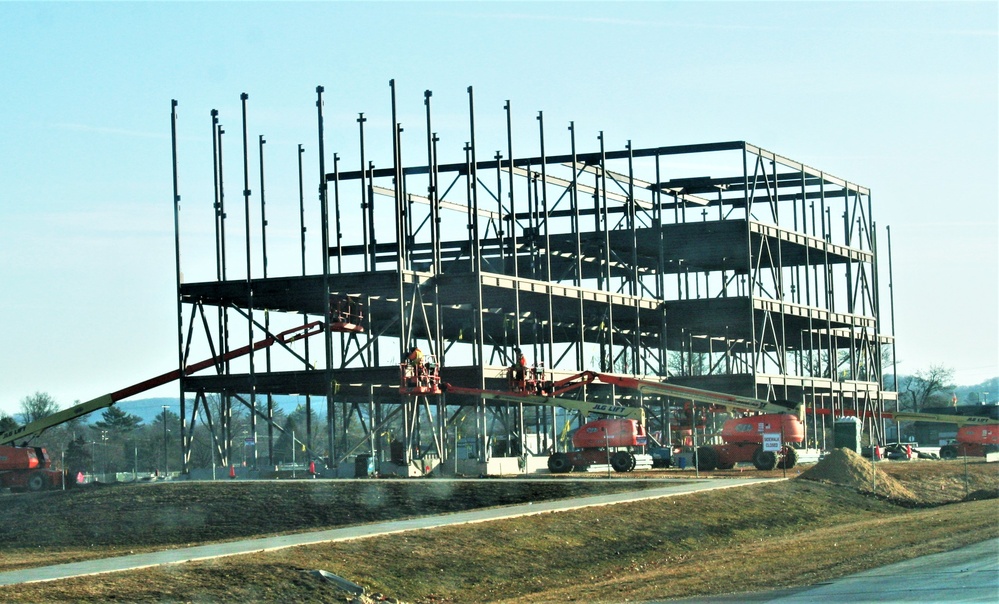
pixel 58 527
pixel 776 535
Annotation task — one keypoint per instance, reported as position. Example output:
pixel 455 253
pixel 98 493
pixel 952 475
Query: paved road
pixel 969 574
pixel 188 554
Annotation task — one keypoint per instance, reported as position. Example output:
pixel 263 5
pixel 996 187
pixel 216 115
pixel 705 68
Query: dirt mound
pixel 845 467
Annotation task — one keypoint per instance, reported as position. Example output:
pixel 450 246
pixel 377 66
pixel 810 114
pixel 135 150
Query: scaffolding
pixel 760 282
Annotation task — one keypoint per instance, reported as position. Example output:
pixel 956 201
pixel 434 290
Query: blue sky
pixel 899 97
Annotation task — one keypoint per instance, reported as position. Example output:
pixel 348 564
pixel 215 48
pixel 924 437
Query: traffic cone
pixel 232 471
pixel 877 453
pixel 908 451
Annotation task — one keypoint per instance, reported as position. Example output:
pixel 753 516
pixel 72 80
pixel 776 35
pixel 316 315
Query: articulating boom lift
pixel 594 441
pixel 24 467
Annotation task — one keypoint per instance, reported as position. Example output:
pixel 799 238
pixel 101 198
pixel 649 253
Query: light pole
pixel 104 455
pixel 166 466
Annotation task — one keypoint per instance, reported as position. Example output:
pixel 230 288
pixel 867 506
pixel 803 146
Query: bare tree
pixel 928 388
pixel 37 406
pixel 688 364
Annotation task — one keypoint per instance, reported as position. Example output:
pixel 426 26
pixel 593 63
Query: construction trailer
pixel 760 280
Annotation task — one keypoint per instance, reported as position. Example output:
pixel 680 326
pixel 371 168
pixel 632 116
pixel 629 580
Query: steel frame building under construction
pixel 760 281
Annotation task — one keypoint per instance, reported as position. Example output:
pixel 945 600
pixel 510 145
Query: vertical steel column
pixel 514 252
pixel 431 186
pixel 220 240
pixel 327 334
pixel 891 302
pixel 301 216
pixel 477 271
pixel 219 223
pixel 400 236
pixel 635 290
pixel 216 162
pixel 502 268
pixel 344 343
pixel 267 317
pixel 367 215
pixel 263 214
pixel 369 175
pixel 435 237
pixel 657 221
pixel 606 268
pixel 874 351
pixel 576 228
pixel 338 228
pixel 432 191
pixel 751 273
pixel 305 317
pixel 804 229
pixel 550 333
pixel 850 293
pixel 781 343
pixel 400 200
pixel 806 370
pixel 834 396
pixel 875 295
pixel 372 436
pixel 226 397
pixel 337 224
pixel 847 241
pixel 400 223
pixel 180 306
pixel 249 283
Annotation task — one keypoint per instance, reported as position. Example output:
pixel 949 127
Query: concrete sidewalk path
pixel 249 546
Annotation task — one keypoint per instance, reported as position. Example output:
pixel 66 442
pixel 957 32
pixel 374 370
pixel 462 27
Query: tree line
pixel 121 442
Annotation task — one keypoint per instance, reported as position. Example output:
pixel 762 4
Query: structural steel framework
pixel 759 282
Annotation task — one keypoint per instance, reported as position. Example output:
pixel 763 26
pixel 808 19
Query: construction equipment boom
pixel 30 467
pixel 742 437
pixel 977 436
pixel 551 396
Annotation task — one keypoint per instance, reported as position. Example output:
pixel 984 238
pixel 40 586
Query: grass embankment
pixel 753 538
pixel 40 529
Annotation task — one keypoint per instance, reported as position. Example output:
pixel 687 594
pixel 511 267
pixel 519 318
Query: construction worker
pixel 516 373
pixel 415 357
pixel 415 360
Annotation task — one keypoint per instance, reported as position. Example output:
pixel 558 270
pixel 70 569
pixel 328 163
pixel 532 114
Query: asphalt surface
pixel 969 574
pixel 235 548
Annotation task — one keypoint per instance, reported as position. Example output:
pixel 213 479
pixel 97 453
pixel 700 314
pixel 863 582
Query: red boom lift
pixel 595 441
pixel 30 468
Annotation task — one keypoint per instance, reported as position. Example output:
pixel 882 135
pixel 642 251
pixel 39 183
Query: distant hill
pixel 149 408
pixel 986 392
pixel 989 389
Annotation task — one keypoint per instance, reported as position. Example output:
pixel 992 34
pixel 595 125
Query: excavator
pixel 23 467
